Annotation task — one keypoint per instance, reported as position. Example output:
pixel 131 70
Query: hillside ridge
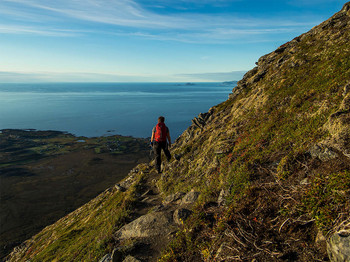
pixel 265 173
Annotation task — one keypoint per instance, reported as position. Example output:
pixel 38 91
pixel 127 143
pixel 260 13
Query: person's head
pixel 161 119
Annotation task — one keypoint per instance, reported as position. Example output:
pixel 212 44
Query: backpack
pixel 161 132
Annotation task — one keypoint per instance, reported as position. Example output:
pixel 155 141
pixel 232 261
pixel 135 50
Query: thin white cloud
pixel 19 29
pixel 216 35
pixel 130 14
pixel 115 12
pixel 126 16
pixel 39 76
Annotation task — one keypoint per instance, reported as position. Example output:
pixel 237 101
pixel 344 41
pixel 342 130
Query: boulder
pixel 190 198
pixel 149 225
pixel 222 197
pixel 322 152
pixel 173 198
pixel 338 246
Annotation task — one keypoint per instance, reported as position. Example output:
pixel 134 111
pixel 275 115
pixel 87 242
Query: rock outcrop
pixel 338 125
pixel 153 224
pixel 338 245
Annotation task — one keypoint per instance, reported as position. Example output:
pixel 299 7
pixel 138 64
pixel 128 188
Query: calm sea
pixel 96 109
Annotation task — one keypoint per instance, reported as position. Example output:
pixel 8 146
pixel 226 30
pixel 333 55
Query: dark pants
pixel 157 148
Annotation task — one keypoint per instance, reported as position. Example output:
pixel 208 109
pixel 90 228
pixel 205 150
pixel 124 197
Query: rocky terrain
pixel 263 176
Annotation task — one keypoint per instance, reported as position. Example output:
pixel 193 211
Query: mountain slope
pixel 279 147
pixel 271 164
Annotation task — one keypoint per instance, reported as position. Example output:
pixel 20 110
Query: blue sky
pixel 147 40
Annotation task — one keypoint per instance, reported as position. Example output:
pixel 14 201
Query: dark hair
pixel 161 119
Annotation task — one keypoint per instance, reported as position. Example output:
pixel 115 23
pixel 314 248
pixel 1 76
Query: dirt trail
pixel 149 204
pixel 149 196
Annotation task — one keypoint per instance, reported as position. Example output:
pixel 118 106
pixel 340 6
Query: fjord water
pixel 96 109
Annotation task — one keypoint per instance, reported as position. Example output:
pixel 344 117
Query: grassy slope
pixel 261 139
pixel 254 146
pixel 85 234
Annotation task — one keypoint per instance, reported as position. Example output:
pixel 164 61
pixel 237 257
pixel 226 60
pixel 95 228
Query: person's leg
pixel 157 152
pixel 166 151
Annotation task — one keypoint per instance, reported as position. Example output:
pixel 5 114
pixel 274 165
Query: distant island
pixel 186 84
pixel 228 83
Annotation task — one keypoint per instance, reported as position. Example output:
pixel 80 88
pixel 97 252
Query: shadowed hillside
pixel 45 175
pixel 266 173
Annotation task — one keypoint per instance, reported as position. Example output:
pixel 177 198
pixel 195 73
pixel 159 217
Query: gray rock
pixel 338 246
pixel 323 152
pixel 131 259
pixel 150 225
pixel 201 120
pixel 180 215
pixel 190 198
pixel 119 188
pixel 173 198
pixel 222 197
pixel 106 258
pixel 130 180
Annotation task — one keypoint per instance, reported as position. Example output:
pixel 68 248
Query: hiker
pixel 161 140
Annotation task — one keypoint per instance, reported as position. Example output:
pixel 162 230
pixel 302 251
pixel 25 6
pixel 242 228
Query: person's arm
pixel 152 137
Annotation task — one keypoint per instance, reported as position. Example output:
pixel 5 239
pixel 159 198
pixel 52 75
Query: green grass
pixel 268 139
pixel 86 234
